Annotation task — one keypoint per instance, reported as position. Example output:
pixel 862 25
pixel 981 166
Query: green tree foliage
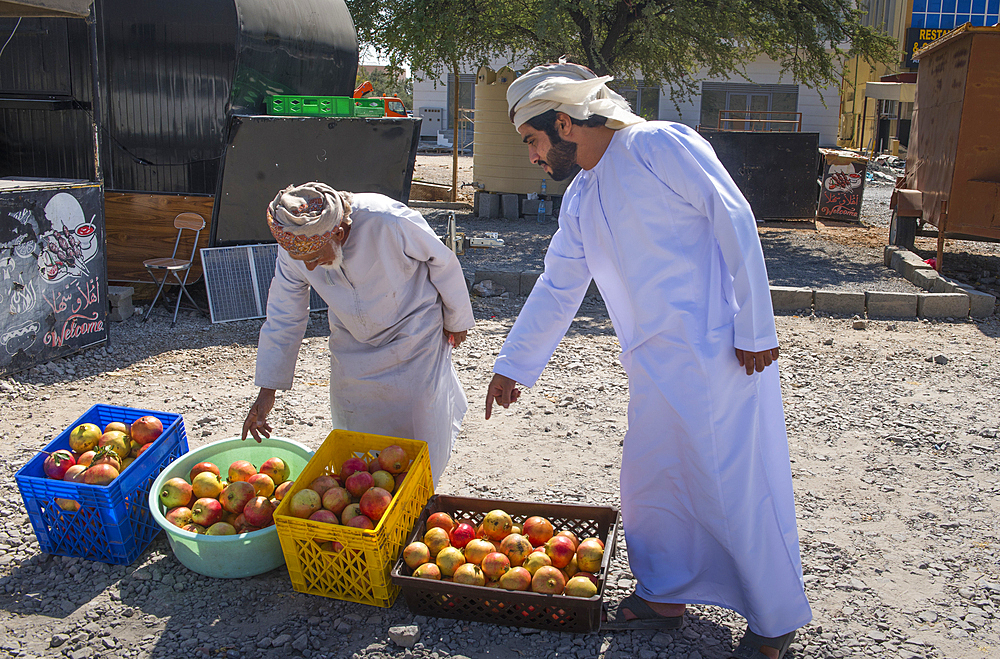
pixel 664 40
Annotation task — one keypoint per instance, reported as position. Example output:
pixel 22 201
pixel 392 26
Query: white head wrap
pixel 303 217
pixel 568 88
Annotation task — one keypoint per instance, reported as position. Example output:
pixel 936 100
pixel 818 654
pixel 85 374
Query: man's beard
pixel 561 159
pixel 338 258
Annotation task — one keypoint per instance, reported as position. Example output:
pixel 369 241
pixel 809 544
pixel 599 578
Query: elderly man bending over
pixel 398 304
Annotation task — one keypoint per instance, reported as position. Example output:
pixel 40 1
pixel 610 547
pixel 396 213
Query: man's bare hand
pixel 756 361
pixel 455 338
pixel 503 390
pixel 256 422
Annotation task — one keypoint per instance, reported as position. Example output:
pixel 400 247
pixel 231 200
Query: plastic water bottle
pixel 541 204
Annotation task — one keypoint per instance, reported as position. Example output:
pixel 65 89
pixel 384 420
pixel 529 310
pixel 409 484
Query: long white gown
pixel 397 290
pixel 706 484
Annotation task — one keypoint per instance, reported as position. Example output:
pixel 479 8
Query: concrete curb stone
pixel 947 298
pixel 839 302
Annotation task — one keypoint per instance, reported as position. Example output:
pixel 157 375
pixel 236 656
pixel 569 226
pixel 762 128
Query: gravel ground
pixel 893 434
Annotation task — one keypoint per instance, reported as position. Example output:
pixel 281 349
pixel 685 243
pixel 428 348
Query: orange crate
pixel 359 572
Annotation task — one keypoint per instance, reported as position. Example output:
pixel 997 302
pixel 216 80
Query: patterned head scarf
pixel 302 218
pixel 568 88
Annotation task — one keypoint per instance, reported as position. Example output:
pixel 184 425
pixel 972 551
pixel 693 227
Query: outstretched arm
pixel 256 422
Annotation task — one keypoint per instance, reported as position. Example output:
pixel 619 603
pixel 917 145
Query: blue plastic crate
pixel 113 524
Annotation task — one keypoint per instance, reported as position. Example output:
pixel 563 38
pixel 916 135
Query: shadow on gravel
pixel 53 587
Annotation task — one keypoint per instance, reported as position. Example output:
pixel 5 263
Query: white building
pixel 766 90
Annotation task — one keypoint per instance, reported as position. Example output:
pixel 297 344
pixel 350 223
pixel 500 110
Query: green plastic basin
pixel 228 556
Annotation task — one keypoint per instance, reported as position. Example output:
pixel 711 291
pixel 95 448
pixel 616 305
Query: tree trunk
pixel 454 137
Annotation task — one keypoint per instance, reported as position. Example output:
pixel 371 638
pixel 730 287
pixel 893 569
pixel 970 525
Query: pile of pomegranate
pixel 358 495
pixel 501 554
pixel 97 458
pixel 244 502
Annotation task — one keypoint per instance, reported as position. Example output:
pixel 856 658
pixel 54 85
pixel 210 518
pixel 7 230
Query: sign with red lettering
pixel 840 196
pixel 53 272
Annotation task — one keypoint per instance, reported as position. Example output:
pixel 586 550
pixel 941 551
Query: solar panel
pixel 237 280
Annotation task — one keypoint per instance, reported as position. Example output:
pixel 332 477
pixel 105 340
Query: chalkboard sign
pixel 53 270
pixel 843 186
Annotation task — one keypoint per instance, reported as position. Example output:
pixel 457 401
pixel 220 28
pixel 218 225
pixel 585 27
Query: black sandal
pixel 749 647
pixel 646 618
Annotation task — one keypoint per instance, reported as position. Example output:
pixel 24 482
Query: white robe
pixel 706 484
pixel 397 290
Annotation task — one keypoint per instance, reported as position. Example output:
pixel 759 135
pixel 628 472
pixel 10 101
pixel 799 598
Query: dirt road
pixel 894 435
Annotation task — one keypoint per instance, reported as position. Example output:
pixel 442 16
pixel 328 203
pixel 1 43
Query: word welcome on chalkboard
pixel 53 271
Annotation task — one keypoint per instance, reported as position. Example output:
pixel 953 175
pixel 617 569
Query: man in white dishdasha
pixel 655 220
pixel 397 306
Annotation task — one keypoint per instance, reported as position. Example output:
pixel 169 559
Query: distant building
pixel 876 117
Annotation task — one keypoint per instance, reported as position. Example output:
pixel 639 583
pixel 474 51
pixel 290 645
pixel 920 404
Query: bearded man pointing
pixel 655 220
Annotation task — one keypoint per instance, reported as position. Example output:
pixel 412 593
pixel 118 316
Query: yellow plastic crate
pixel 361 571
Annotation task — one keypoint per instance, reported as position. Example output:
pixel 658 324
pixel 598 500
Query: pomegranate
pixel 86 458
pixel 84 437
pixel 572 568
pixel 571 536
pixel 461 535
pixel 538 530
pixel 331 546
pixel 58 463
pixel 560 549
pixel 548 580
pixel 361 522
pixel 393 459
pixel 470 575
pixel 497 525
pixel 119 426
pixel 282 490
pixel 241 470
pixel 206 484
pixel 536 560
pixel 74 474
pixel 428 571
pixel 325 516
pixel 373 465
pixel 436 539
pixel 358 483
pixel 194 528
pixel 175 492
pixel 441 520
pixel 416 554
pixel 69 505
pixel 597 540
pixel 580 587
pixel 384 479
pixel 259 512
pixel 206 512
pixel 495 564
pixel 146 429
pixel 105 455
pixel 236 496
pixel 374 502
pixel 303 504
pixel 179 516
pixel 399 478
pixel 351 511
pixel 477 549
pixel 448 559
pixel 351 466
pixel 323 483
pixel 118 441
pixel 516 548
pixel 589 555
pixel 203 466
pixel 277 469
pixel 336 499
pixel 221 528
pixel 516 578
pixel 588 575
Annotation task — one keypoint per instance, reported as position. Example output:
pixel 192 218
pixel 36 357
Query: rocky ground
pixel 893 430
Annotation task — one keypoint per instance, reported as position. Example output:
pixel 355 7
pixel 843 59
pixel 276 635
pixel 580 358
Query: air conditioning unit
pixel 433 121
